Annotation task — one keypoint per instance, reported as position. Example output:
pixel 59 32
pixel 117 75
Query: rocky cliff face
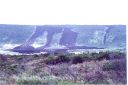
pixel 115 36
pixel 64 35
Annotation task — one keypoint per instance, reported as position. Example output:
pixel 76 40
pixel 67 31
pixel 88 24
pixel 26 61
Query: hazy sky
pixel 63 11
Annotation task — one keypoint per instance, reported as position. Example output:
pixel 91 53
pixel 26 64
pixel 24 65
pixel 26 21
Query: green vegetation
pixel 107 66
pixel 100 82
pixel 29 80
pixel 64 82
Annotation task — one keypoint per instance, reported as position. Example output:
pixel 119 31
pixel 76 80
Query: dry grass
pixel 63 71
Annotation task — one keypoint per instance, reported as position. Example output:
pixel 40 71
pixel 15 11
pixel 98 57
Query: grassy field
pixel 64 69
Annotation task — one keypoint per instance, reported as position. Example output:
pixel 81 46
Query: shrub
pixel 119 65
pixel 63 58
pixel 107 66
pixel 9 68
pixel 117 55
pixel 99 56
pixel 19 58
pixel 50 60
pixel 115 65
pixel 76 60
pixel 36 56
pixel 103 56
pixel 46 54
pixel 86 58
pixel 58 59
pixel 93 56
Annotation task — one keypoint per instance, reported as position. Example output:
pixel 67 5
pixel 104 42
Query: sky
pixel 63 12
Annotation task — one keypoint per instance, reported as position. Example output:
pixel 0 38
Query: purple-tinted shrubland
pixel 99 68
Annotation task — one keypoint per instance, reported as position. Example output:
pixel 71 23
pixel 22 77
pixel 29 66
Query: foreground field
pixel 64 69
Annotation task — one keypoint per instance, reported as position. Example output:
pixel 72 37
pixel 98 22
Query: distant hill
pixel 88 35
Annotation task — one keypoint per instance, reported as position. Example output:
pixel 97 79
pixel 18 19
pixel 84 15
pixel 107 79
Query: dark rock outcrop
pixel 24 49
